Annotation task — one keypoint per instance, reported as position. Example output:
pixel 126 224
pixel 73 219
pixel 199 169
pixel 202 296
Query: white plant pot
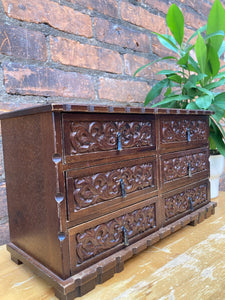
pixel 216 170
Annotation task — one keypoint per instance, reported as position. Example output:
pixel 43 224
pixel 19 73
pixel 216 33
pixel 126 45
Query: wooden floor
pixel 189 265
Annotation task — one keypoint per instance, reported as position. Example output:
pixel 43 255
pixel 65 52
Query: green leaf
pixel 193 80
pixel 222 67
pixel 217 136
pixel 219 100
pixel 216 22
pixel 183 60
pixel 218 115
pixel 201 29
pixel 206 91
pixel 175 22
pixel 201 53
pixel 192 105
pixel 168 91
pixel 171 99
pixel 219 75
pixel 193 65
pixel 222 49
pixel 156 90
pixel 155 61
pixel 203 102
pixel 166 41
pixel 219 32
pixel 215 84
pixel 176 78
pixel 166 72
pixel 213 62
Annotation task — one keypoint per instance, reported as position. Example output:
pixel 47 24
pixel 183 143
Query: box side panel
pixel 31 179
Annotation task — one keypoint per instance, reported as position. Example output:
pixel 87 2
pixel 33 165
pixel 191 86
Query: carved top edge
pixel 100 109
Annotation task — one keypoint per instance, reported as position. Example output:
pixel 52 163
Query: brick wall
pixel 81 51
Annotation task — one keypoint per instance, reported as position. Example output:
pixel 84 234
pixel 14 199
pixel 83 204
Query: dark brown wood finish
pixel 88 185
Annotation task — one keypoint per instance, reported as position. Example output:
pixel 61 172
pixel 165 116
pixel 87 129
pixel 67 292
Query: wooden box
pixel 88 187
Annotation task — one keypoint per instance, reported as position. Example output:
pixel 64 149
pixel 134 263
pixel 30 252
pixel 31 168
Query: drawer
pixel 183 131
pixel 97 136
pixel 100 238
pixel 184 167
pixel 184 200
pixel 97 190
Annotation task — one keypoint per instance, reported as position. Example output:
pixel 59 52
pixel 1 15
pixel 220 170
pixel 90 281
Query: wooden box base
pixel 86 280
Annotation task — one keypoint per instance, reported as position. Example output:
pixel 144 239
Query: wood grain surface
pixel 187 265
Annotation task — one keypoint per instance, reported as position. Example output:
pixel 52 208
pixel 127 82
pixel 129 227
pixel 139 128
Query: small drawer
pixel 100 238
pixel 97 190
pixel 184 200
pixel 183 130
pixel 96 136
pixel 183 167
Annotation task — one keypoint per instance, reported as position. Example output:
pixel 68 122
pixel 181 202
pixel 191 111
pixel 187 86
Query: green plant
pixel 199 75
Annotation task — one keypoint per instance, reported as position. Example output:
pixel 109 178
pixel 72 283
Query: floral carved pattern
pixel 86 137
pixel 178 167
pixel 104 186
pixel 177 130
pixel 105 236
pixel 179 203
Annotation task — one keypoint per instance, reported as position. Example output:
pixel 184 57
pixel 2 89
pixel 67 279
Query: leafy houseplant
pixel 199 75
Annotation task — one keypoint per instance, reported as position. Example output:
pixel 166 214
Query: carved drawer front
pixel 185 200
pixel 184 166
pixel 96 190
pixel 97 239
pixel 100 136
pixel 183 129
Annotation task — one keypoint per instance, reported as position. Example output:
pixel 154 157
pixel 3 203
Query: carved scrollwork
pixel 178 167
pixel 100 187
pixel 105 236
pixel 180 202
pixel 86 137
pixel 176 130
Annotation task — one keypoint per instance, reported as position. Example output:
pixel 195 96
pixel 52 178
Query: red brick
pixel 159 49
pixel 106 7
pixel 122 90
pixel 33 80
pixel 45 11
pixel 119 35
pixel 69 52
pixel 193 19
pixel 10 106
pixel 133 62
pixel 198 6
pixel 141 17
pixel 187 34
pixel 20 42
pixel 158 4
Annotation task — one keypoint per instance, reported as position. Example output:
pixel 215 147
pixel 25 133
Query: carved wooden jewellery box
pixel 89 187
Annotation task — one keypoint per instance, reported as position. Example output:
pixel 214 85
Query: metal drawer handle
pixel 191 203
pixel 125 236
pixel 122 188
pixel 119 141
pixel 189 170
pixel 188 135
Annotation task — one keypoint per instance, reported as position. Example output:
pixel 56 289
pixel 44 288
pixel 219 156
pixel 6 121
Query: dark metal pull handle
pixel 119 141
pixel 191 203
pixel 189 170
pixel 125 236
pixel 122 188
pixel 188 135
